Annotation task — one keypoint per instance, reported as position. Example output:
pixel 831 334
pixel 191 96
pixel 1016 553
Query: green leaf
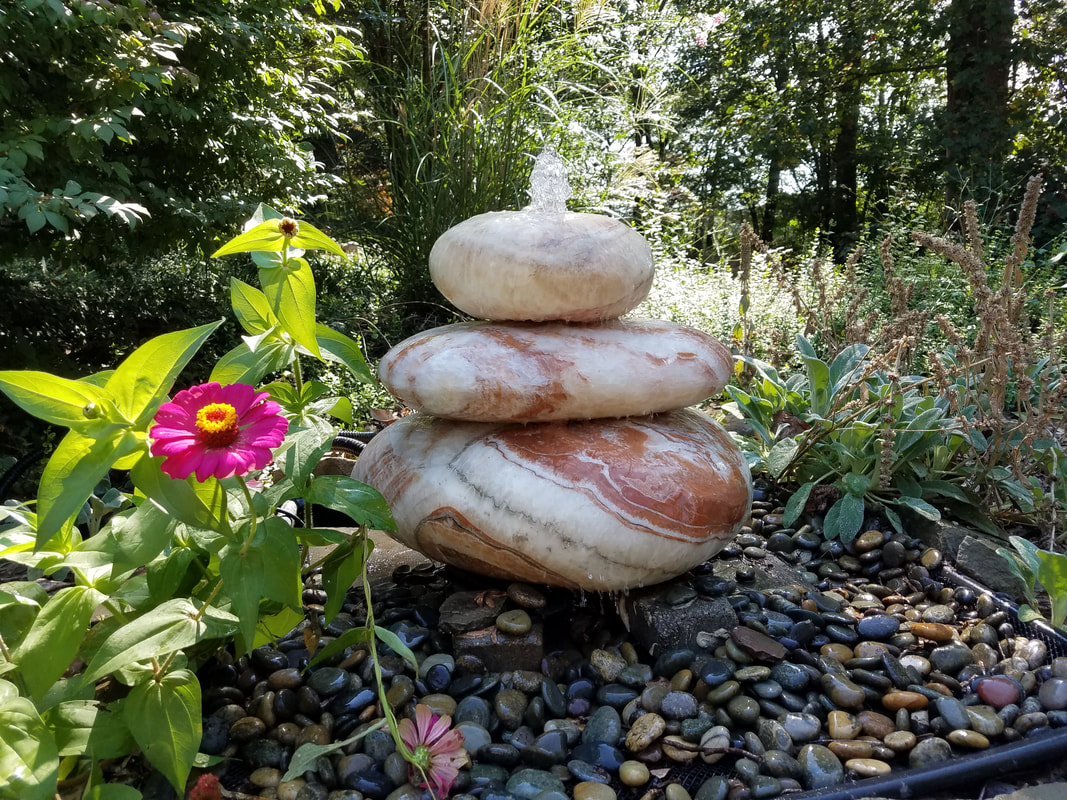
pixel 29 760
pixel 847 367
pixel 200 504
pixel 84 726
pixel 844 519
pixel 920 507
pixel 53 640
pixel 140 383
pixel 59 401
pixel 171 626
pixel 304 448
pixel 856 484
pixel 397 646
pixel 1052 573
pixel 307 754
pixel 251 308
pixel 795 506
pixel 1028 613
pixel 267 567
pixel 944 489
pixel 273 627
pixel 267 236
pixel 781 456
pixel 112 791
pixel 335 346
pixel 132 539
pixel 291 294
pixel 361 502
pixel 174 701
pixel 341 569
pixel 76 466
pixel 340 644
pixel 243 365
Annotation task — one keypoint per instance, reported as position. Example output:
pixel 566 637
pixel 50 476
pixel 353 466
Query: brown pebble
pixel 875 724
pixel 266 776
pixel 678 749
pixel 842 725
pixel 965 738
pixel 909 700
pixel 935 631
pixel 845 749
pixel 867 767
pixel 836 651
pixel 590 790
pixel 901 741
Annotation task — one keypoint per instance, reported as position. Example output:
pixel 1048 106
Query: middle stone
pixel 545 372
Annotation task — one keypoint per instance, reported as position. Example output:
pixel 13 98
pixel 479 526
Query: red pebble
pixel 999 691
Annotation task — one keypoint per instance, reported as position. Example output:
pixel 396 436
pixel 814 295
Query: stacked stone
pixel 554 443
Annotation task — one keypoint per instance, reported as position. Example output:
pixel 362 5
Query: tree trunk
pixel 849 95
pixel 977 131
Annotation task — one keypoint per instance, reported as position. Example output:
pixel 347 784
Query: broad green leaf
pixel 397 646
pixel 335 346
pixel 1028 551
pixel 291 294
pixel 242 365
pixel 60 401
pixel 171 626
pixel 781 456
pixel 274 627
pixel 251 308
pixel 164 717
pixel 847 367
pixel 944 489
pixel 29 760
pixel 844 519
pixel 920 507
pixel 1028 613
pixel 1052 573
pixel 175 574
pixel 320 537
pixel 795 505
pixel 53 640
pixel 267 236
pixel 308 440
pixel 85 726
pixel 856 484
pixel 361 502
pixel 20 602
pixel 133 539
pixel 200 504
pixel 77 465
pixel 1021 569
pixel 269 567
pixel 140 383
pixel 342 568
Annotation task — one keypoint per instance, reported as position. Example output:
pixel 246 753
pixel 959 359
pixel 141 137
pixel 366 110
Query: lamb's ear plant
pixel 1036 567
pixel 192 557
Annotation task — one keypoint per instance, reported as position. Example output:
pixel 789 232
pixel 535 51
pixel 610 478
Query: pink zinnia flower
pixel 438 751
pixel 217 431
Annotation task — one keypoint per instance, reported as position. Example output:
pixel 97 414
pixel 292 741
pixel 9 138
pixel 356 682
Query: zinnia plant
pixel 189 559
pixel 217 431
pixel 436 751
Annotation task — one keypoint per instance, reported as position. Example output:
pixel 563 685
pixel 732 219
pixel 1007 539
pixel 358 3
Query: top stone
pixel 540 266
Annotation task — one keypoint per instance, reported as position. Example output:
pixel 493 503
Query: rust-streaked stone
pixel 529 372
pixel 601 505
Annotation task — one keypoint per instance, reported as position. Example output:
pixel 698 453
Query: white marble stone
pixel 538 372
pixel 598 505
pixel 536 266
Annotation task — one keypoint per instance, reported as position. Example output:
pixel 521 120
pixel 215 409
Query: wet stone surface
pixel 843 662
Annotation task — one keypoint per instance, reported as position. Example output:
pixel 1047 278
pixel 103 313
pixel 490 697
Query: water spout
pixel 549 188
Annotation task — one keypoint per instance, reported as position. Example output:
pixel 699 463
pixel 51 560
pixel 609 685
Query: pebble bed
pixel 868 665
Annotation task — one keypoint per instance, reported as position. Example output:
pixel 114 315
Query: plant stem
pixel 251 516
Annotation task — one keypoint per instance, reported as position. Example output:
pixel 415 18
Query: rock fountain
pixel 554 442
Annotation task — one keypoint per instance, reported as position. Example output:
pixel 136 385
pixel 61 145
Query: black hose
pixel 1041 749
pixel 18 469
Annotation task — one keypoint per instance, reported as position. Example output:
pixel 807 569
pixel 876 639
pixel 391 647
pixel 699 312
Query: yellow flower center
pixel 217 423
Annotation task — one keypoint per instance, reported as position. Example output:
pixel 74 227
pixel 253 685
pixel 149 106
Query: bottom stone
pixel 599 505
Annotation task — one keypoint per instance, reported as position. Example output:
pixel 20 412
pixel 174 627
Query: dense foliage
pixel 133 127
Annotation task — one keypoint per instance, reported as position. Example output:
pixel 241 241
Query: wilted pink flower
pixel 438 751
pixel 217 431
